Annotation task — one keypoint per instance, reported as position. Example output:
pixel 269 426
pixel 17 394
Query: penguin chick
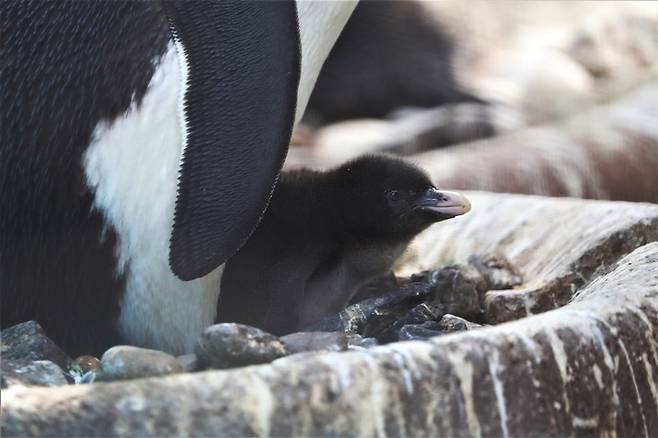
pixel 324 235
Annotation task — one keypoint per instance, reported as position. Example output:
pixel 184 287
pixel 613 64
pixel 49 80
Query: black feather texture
pixel 243 62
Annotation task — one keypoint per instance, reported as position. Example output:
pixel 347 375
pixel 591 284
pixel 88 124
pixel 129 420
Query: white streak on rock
pixel 598 376
pixel 650 370
pixel 637 390
pixel 530 345
pixel 585 423
pixel 652 339
pixel 463 369
pixel 495 369
pixel 561 360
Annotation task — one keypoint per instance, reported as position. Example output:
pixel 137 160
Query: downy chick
pixel 324 235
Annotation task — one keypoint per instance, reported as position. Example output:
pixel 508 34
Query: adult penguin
pixel 140 145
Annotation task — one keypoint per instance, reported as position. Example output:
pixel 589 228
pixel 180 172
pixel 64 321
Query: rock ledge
pixel 589 367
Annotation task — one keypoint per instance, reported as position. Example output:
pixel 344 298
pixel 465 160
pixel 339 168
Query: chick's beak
pixel 443 203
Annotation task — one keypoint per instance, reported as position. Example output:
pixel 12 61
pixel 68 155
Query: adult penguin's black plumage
pixel 140 144
pixel 324 235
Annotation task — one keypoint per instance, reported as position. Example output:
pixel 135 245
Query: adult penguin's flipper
pixel 242 62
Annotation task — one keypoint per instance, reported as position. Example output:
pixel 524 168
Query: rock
pixel 409 132
pixel 28 342
pixel 230 345
pixel 375 315
pixel 455 288
pixel 585 369
pixel 563 159
pixel 358 342
pixel 125 362
pixel 451 323
pixel 27 372
pixel 455 283
pixel 543 95
pixel 422 313
pixel 314 341
pixel 189 362
pixel 618 47
pixel 87 363
pixel 85 369
pixel 450 289
pixel 412 131
pixel 497 272
pixel 558 245
pixel 416 332
pixel 430 328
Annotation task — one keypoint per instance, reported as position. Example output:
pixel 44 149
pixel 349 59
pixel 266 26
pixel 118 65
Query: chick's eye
pixel 393 195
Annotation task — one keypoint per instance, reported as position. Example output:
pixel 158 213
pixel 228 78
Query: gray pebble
pixel 452 323
pixel 232 345
pixel 456 288
pixel 125 362
pixel 27 372
pixel 374 315
pixel 27 341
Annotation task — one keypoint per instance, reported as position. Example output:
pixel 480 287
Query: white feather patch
pixel 132 166
pixel 320 23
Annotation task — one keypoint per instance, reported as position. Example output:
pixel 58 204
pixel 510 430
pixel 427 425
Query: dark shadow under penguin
pixel 324 235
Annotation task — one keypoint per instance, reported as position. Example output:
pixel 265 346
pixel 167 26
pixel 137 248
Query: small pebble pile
pixel 428 304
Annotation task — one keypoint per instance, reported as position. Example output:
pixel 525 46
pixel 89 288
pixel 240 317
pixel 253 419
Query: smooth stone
pixel 27 341
pixel 27 372
pixel 125 362
pixel 315 341
pixel 230 345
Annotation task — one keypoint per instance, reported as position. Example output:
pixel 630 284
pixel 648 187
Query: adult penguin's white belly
pixel 132 168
